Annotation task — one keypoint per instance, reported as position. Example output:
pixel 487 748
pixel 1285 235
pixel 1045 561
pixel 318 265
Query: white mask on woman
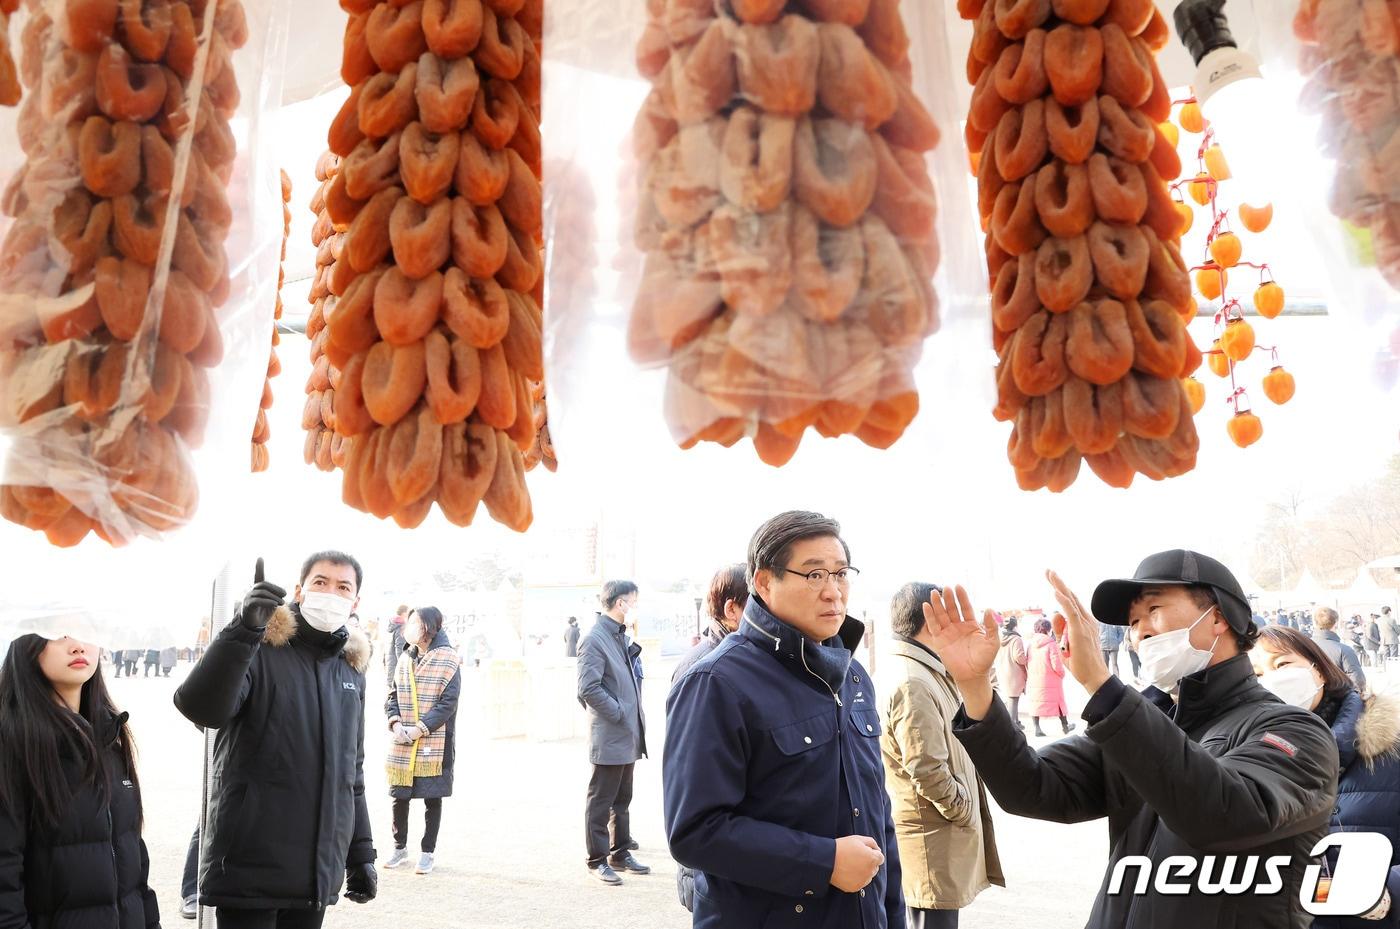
pixel 413 632
pixel 1295 686
pixel 1169 657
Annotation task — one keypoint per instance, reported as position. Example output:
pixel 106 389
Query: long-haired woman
pixel 71 852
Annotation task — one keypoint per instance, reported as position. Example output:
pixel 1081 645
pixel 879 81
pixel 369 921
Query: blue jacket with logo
pixel 772 753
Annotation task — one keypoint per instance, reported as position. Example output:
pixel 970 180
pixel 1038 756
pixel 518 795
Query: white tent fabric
pixel 1365 591
pixel 1308 590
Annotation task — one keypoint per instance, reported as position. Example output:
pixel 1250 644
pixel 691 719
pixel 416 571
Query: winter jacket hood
pixel 352 644
pixel 1378 729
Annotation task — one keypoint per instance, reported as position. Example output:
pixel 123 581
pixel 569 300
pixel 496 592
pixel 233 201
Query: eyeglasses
pixel 816 579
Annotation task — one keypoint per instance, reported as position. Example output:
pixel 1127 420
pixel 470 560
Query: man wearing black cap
pixel 1204 765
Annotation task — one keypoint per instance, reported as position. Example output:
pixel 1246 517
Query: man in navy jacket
pixel 774 787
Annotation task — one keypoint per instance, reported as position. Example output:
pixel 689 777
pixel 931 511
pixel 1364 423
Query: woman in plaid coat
pixel 422 712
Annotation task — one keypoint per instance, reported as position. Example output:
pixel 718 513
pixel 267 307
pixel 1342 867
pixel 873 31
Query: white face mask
pixel 1294 686
pixel 325 612
pixel 413 632
pixel 1169 657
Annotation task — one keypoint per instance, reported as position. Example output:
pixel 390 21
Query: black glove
pixel 260 602
pixel 361 882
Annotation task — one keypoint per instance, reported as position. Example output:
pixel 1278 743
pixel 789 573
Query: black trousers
pixel 269 919
pixel 432 820
pixel 609 796
pixel 932 919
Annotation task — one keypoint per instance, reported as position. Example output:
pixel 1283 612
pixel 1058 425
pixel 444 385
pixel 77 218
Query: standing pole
pixel 220 613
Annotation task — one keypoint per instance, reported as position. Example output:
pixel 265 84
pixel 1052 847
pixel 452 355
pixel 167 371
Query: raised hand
pixel 1082 654
pixel 968 649
pixel 261 601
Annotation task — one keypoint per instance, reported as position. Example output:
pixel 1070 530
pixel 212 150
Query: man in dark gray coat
pixel 610 691
pixel 571 634
pixel 1342 654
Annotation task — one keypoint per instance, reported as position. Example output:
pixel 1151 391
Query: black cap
pixel 1174 568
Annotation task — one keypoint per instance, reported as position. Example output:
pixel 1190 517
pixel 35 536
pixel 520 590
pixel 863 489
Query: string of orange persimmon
pixel 1234 337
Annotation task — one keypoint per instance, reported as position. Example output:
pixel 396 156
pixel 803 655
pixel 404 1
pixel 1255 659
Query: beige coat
pixel 947 848
pixel 1011 665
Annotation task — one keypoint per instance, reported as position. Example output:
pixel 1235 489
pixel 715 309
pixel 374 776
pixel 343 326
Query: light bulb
pixel 1236 101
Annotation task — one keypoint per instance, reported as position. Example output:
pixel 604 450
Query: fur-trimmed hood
pixel 1378 730
pixel 282 628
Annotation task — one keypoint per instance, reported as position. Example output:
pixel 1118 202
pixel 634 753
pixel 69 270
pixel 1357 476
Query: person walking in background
pixel 422 711
pixel 571 634
pixel 608 687
pixel 1341 654
pixel 1045 679
pixel 1374 649
pixel 1390 634
pixel 284 685
pixel 133 657
pixel 395 645
pixel 152 662
pixel 773 785
pixel 947 846
pixel 1110 641
pixel 118 663
pixel 1011 668
pixel 1367 730
pixel 168 658
pixel 71 852
pixel 729 594
pixel 1352 634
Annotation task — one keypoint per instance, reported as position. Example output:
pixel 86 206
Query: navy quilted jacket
pixel 1368 791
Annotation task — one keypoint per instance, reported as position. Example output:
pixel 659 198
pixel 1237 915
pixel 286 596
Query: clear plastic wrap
pixel 1335 66
pixel 780 232
pixel 141 230
pixel 430 307
pixel 1090 294
pixel 122 255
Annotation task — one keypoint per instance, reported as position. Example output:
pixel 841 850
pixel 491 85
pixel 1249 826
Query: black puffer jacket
pixel 288 808
pixel 1227 770
pixel 88 872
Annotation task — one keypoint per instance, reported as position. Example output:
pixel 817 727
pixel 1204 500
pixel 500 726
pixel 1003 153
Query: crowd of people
pixel 159 662
pixel 795 788
pixel 794 784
